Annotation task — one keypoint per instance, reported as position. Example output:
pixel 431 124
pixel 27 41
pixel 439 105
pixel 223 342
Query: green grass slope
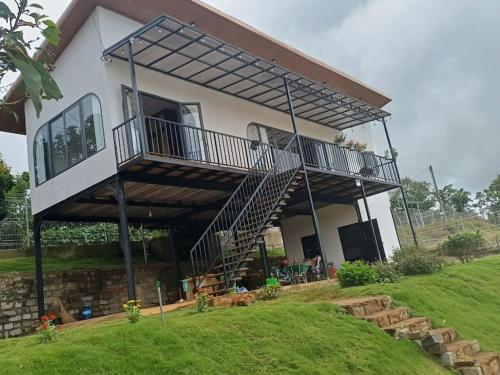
pixel 301 332
pixel 265 338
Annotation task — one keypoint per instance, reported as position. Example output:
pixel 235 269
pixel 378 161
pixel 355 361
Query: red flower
pixel 44 318
pixel 52 317
pixel 45 325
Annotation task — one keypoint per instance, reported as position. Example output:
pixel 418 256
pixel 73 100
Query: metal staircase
pixel 219 257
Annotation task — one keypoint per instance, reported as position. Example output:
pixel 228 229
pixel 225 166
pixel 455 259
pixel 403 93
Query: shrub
pixel 386 272
pixel 46 330
pixel 132 310
pixel 201 302
pixel 465 246
pixel 410 260
pixel 356 273
pixel 269 292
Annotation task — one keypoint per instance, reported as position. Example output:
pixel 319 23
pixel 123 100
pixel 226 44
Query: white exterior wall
pixel 80 70
pixel 330 219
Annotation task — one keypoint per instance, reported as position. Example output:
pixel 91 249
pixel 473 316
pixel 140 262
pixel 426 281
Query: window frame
pixel 50 174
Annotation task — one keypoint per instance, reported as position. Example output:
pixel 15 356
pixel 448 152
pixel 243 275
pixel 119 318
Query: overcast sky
pixel 438 60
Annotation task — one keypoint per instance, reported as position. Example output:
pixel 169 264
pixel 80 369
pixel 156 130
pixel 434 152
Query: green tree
pixel 6 183
pixel 493 195
pixel 37 83
pixel 456 199
pixel 417 193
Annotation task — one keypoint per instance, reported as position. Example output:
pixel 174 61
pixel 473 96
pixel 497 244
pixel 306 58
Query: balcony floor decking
pixel 163 192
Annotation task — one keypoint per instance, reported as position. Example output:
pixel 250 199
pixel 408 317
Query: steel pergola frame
pixel 172 47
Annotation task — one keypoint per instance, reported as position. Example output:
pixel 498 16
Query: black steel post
pixel 137 98
pixel 175 259
pixel 306 179
pixel 403 195
pixel 365 201
pixel 263 256
pixel 40 301
pixel 395 227
pixel 125 238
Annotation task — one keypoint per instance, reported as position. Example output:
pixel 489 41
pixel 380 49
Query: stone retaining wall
pixel 104 290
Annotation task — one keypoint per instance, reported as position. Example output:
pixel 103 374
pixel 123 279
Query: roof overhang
pixel 172 47
pixel 215 23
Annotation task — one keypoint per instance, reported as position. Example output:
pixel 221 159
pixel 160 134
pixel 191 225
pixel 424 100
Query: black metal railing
pixel 329 156
pixel 226 243
pixel 173 140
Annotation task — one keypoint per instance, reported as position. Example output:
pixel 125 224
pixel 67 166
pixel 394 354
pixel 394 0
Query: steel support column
pixel 175 260
pixel 306 180
pixel 263 256
pixel 399 179
pixel 137 98
pixel 40 301
pixel 358 212
pixel 125 238
pixel 368 215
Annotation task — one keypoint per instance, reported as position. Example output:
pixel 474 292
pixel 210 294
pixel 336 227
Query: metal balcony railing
pixel 331 157
pixel 173 140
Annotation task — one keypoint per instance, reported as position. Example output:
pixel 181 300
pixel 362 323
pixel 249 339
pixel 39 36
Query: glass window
pixel 42 154
pixel 58 145
pixel 92 124
pixel 71 137
pixel 73 126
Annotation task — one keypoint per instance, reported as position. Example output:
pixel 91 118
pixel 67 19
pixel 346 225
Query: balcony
pixel 165 140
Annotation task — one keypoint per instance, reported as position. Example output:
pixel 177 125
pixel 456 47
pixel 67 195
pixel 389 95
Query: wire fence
pixel 16 229
pixel 433 227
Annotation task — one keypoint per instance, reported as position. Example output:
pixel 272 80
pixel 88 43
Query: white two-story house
pixel 178 116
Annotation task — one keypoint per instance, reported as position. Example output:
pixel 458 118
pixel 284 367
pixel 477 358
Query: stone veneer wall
pixel 104 290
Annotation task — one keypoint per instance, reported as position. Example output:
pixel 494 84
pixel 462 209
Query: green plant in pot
pixel 339 139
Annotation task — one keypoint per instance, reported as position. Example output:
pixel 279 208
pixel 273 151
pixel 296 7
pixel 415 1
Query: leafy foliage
pixel 457 199
pixel 386 272
pixel 268 292
pixel 132 310
pixel 417 192
pixel 410 260
pixel 37 83
pixel 465 246
pixel 201 302
pixel 46 329
pixel 6 183
pixel 356 273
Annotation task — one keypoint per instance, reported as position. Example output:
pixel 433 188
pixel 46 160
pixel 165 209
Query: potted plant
pixel 360 147
pixel 339 139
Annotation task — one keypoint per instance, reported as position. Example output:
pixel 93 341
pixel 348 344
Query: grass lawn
pixel 301 332
pixel 27 264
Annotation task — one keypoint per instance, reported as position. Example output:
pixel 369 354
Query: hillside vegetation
pixel 300 332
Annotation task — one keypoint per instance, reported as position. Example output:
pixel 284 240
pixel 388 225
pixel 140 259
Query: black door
pixel 358 243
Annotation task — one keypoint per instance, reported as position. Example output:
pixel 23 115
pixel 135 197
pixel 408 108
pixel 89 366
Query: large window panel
pixel 58 145
pixel 92 124
pixel 74 135
pixel 73 126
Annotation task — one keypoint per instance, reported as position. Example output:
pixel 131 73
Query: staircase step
pixel 365 305
pixel 459 349
pixel 487 362
pixel 413 328
pixel 387 317
pixel 439 336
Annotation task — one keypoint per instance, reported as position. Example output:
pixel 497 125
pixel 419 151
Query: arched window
pixel 70 137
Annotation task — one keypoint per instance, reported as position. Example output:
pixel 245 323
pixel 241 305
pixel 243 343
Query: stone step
pixel 459 349
pixel 483 363
pixel 440 335
pixel 363 306
pixel 412 328
pixel 387 317
pixel 437 341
